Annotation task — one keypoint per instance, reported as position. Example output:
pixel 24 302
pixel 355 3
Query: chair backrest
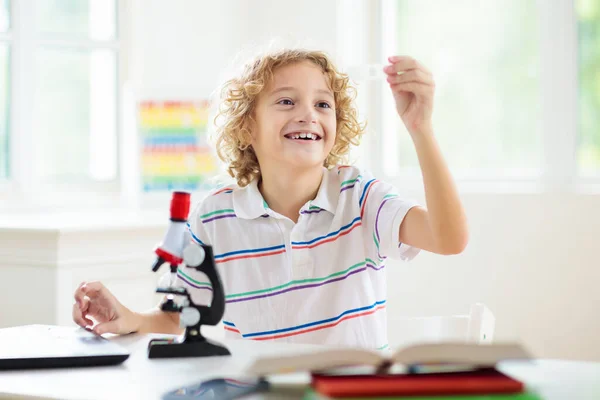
pixel 475 327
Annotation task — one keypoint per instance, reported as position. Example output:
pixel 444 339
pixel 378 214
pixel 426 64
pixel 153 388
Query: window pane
pixel 4 91
pixel 589 87
pixel 74 117
pixel 4 15
pixel 484 57
pixel 93 19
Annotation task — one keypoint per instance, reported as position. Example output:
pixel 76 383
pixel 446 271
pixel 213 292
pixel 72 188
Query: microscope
pixel 175 249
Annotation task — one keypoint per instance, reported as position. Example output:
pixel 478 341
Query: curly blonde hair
pixel 238 100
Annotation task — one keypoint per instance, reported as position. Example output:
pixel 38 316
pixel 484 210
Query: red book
pixel 483 381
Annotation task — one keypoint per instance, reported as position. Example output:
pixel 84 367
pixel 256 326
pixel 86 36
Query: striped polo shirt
pixel 321 280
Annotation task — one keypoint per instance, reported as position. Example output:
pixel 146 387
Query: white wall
pixel 187 46
pixel 531 257
pixel 181 46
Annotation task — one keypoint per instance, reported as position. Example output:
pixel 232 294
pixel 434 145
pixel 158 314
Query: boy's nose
pixel 307 120
pixel 308 116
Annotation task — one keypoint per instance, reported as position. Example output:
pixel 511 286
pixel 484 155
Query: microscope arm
pixel 200 257
pixel 214 313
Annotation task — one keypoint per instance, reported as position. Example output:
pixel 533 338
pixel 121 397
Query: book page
pixel 484 355
pixel 314 361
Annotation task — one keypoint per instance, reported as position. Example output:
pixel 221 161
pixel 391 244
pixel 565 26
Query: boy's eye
pixel 286 102
pixel 323 104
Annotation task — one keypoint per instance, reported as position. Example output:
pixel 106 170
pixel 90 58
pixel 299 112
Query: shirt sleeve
pixel 382 212
pixel 196 282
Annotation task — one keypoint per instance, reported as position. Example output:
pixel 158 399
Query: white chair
pixel 476 327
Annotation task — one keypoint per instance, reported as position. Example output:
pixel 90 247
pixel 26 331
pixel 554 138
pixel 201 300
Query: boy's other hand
pixel 94 301
pixel 413 88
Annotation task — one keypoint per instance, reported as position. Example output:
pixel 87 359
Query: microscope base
pixel 170 348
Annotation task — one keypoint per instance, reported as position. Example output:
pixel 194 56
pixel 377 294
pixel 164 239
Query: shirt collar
pixel 328 194
pixel 249 203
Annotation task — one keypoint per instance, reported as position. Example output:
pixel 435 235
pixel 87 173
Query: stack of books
pixel 425 372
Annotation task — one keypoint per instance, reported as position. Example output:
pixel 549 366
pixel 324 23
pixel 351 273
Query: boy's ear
pixel 248 131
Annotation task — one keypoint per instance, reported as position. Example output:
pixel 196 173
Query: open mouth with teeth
pixel 303 136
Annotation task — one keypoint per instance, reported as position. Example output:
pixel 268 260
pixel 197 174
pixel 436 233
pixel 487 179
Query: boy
pixel 301 240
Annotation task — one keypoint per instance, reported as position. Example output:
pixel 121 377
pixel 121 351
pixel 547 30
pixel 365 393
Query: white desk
pixel 142 378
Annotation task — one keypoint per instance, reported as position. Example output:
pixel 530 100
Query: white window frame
pixel 21 192
pixel 559 114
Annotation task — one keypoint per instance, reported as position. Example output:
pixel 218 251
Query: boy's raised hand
pixel 93 300
pixel 413 88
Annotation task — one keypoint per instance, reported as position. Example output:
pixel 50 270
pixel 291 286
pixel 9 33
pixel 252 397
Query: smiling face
pixel 295 119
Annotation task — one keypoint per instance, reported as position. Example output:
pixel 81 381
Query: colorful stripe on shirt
pixel 250 253
pixel 194 237
pixel 219 214
pixel 192 282
pixel 312 210
pixel 349 184
pixel 317 325
pixel 304 283
pixel 377 247
pixel 365 194
pixel 230 326
pixel 330 237
pixel 224 190
pixel 376 237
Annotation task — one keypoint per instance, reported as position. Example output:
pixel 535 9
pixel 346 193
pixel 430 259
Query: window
pixel 4 87
pixel 485 60
pixel 518 88
pixel 588 13
pixel 64 100
pixel 87 19
pixel 75 115
pixel 75 91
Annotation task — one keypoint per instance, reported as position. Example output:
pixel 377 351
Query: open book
pixel 453 354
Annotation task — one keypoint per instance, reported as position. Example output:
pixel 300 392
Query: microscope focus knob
pixel 193 255
pixel 189 316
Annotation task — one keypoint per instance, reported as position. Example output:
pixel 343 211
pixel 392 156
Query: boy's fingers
pixel 396 59
pixel 79 319
pixel 415 75
pixel 416 88
pixel 82 300
pixel 84 305
pixel 401 63
pixel 93 289
pixel 108 327
pixel 79 294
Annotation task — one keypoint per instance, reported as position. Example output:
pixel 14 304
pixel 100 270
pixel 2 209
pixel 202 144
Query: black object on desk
pixel 193 344
pixel 175 249
pixel 48 346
